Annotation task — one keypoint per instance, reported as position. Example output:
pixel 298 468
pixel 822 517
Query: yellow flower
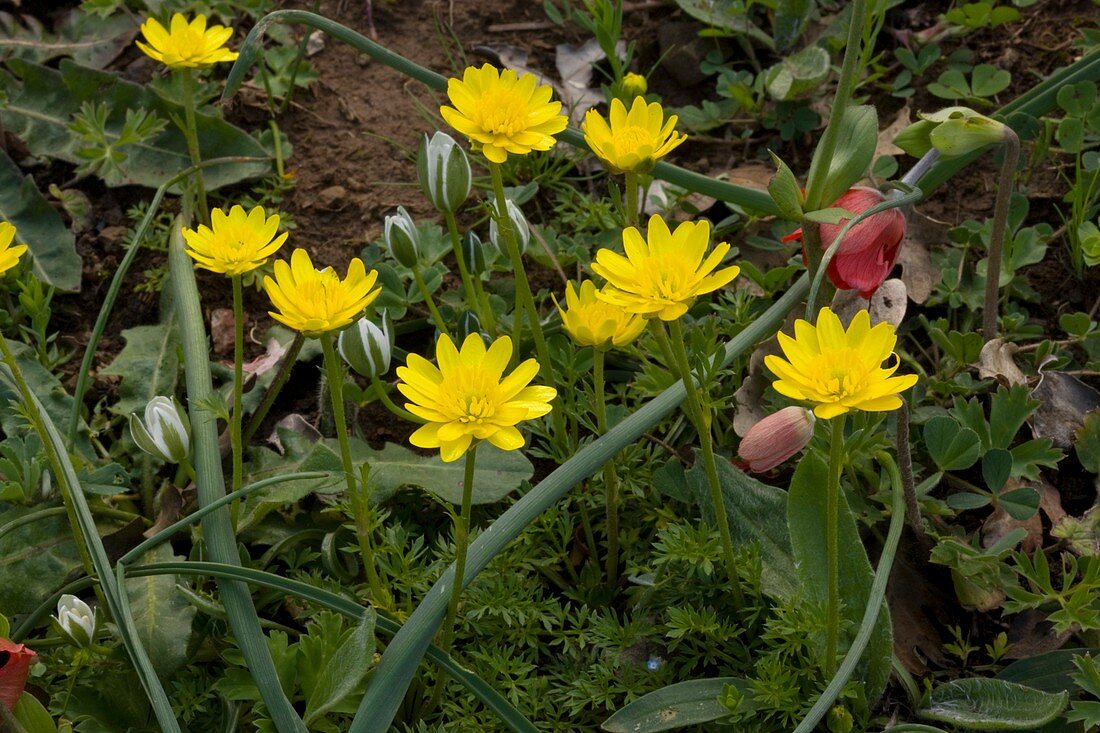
pixel 186 45
pixel 634 140
pixel 234 243
pixel 662 277
pixel 840 370
pixel 591 322
pixel 503 113
pixel 315 301
pixel 465 398
pixel 9 256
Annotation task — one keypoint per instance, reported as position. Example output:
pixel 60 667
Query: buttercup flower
pixel 76 618
pixel 315 301
pixel 467 398
pixel 15 667
pixel 186 45
pixel 9 255
pixel 590 321
pixel 502 112
pixel 634 140
pixel 837 370
pixel 234 243
pixel 776 438
pixel 662 277
pixel 869 249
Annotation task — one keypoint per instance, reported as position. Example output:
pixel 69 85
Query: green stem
pixel 997 235
pixel 424 293
pixel 236 418
pixel 8 722
pixel 468 290
pixel 191 133
pixel 630 211
pixel 462 544
pixel 401 412
pixel 524 297
pixel 700 415
pixel 285 367
pixel 610 476
pixel 832 554
pixel 356 496
pixel 845 86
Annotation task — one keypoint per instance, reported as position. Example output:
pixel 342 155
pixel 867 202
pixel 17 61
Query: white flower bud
pixel 165 432
pixel 366 347
pixel 474 253
pixel 519 225
pixel 77 619
pixel 444 172
pixel 402 237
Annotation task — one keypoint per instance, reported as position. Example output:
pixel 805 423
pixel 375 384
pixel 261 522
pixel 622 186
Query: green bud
pixel 165 431
pixel 474 252
pixel 914 139
pixel 840 720
pixel 444 172
pixel 366 347
pixel 402 237
pixel 957 137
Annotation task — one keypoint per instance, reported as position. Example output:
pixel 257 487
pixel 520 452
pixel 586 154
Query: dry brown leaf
pixel 750 408
pixel 1064 400
pixel 222 332
pixel 266 361
pixel 917 271
pixel 887 305
pixel 996 361
pixel 885 144
pixel 752 174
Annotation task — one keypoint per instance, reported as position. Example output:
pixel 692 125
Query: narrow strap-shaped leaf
pixel 401 658
pixel 754 201
pixel 210 485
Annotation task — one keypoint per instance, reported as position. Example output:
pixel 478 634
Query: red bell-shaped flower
pixel 775 438
pixel 15 666
pixel 869 249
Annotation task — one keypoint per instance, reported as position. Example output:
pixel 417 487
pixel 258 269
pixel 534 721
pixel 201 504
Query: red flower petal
pixel 15 666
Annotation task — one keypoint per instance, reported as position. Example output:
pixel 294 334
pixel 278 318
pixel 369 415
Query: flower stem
pixel 285 367
pixel 997 235
pixel 473 295
pixel 422 286
pixel 402 413
pixel 701 418
pixel 630 209
pixel 356 493
pixel 832 556
pixel 462 543
pixel 610 476
pixel 235 442
pixel 523 291
pixel 191 134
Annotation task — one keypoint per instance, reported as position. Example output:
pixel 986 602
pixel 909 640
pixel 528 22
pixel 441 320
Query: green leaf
pixel 996 468
pixel 344 670
pixel 1086 443
pixel 89 40
pixel 50 392
pixel 148 366
pixel 35 559
pixel 39 226
pixel 1008 410
pixel 729 15
pixel 791 18
pixel 854 151
pixel 950 445
pixel 1049 672
pixel 161 614
pixel 757 516
pixel 798 75
pixel 967 500
pixel 41 102
pixel 1021 504
pixel 32 716
pixel 784 190
pixel 677 706
pixel 991 705
pixel 806 519
pixel 987 80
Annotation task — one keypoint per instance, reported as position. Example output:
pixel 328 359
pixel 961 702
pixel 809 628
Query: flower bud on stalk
pixel 467 324
pixel 165 431
pixel 519 226
pixel 474 252
pixel 77 619
pixel 444 172
pixel 776 438
pixel 402 237
pixel 366 347
pixel 633 85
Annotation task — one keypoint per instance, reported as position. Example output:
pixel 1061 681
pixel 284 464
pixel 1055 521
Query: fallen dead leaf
pixel 1064 400
pixel 266 361
pixel 221 330
pixel 752 174
pixel 749 399
pixel 885 144
pixel 997 361
pixel 297 423
pixel 917 271
pixel 887 305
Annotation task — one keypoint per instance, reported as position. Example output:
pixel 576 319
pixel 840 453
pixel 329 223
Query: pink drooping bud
pixel 15 667
pixel 776 438
pixel 869 249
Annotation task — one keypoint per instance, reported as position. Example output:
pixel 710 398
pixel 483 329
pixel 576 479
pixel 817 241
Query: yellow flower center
pixel 503 112
pixel 843 372
pixel 631 138
pixel 475 408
